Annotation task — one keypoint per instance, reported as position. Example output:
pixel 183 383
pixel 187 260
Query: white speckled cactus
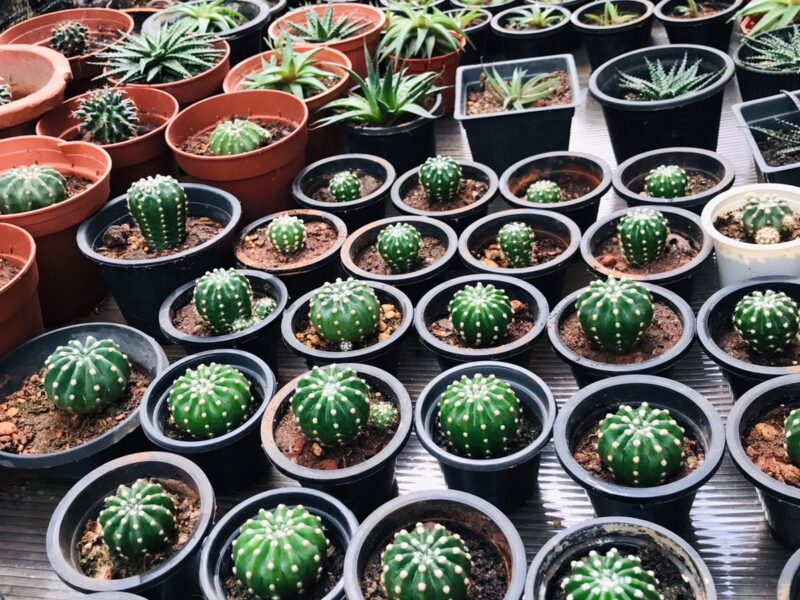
pixel 237 136
pixel 345 311
pixel 383 415
pixel 158 205
pixel 666 181
pixel 481 314
pixel 516 242
pixel 5 93
pixel 544 191
pixel 30 188
pixel 643 235
pixel 767 218
pixel 610 577
pixel 287 234
pixel 399 246
pixel 224 299
pixel 615 313
pixel 345 186
pixel 768 321
pixel 440 177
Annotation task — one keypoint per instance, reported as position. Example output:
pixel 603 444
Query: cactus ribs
pixel 200 142
pixel 521 323
pixel 546 247
pixel 469 191
pixel 322 193
pixel 259 251
pixel 679 251
pixel 369 259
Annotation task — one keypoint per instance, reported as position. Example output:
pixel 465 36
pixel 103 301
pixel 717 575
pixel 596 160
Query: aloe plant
pixel 771 14
pixel 289 71
pixel 517 93
pixel 320 29
pixel 610 16
pixel 534 17
pixel 661 84
pixel 771 52
pixel 209 17
pixel 422 33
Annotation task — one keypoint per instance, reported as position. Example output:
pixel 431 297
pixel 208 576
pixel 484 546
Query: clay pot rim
pixel 379 21
pixel 29 257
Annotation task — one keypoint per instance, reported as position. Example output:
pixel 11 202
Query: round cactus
pixel 30 188
pixel 331 405
pixel 278 554
pixel 85 377
pixel 481 314
pixel 440 177
pixel 345 311
pixel 426 563
pixel 666 181
pixel 640 446
pixel 5 94
pixel 138 519
pixel 643 235
pixel 224 299
pixel 615 313
pixel 610 577
pixel 158 205
pixel 69 38
pixel 382 415
pixel 480 416
pixel 768 321
pixel 516 242
pixel 237 137
pixel 792 436
pixel 345 186
pixel 210 400
pixel 767 218
pixel 399 246
pixel 287 234
pixel 544 191
pixel 107 116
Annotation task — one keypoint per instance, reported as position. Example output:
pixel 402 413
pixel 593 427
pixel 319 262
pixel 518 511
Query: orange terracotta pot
pixel 20 315
pixel 260 179
pixel 132 159
pixel 446 65
pixel 353 47
pixel 69 285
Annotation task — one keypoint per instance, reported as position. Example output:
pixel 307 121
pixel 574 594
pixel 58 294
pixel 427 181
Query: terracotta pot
pixel 353 47
pixel 20 315
pixel 260 179
pixel 38 76
pixel 69 285
pixel 747 24
pixel 445 64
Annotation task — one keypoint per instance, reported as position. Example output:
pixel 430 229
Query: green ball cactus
pixel 666 181
pixel 331 405
pixel 30 188
pixel 158 205
pixel 278 554
pixel 516 242
pixel 287 234
pixel 85 377
pixel 791 434
pixel 544 191
pixel 643 235
pixel 224 298
pixel 345 311
pixel 481 314
pixel 766 219
pixel 480 416
pixel 383 415
pixel 107 116
pixel 610 577
pixel 399 246
pixel 426 563
pixel 768 321
pixel 5 94
pixel 640 446
pixel 345 186
pixel 237 137
pixel 614 314
pixel 69 38
pixel 440 177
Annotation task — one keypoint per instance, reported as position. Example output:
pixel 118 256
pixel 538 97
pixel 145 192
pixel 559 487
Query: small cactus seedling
pixel 614 314
pixel 544 191
pixel 610 577
pixel 426 563
pixel 237 136
pixel 640 446
pixel 345 186
pixel 225 300
pixel 331 405
pixel 768 321
pixel 345 311
pixel 792 436
pixel 69 38
pixel 643 235
pixel 440 177
pixel 480 416
pixel 107 116
pixel 287 234
pixel 30 188
pixel 5 93
pixel 137 520
pixel 382 415
pixel 158 205
pixel 481 314
pixel 85 377
pixel 666 181
pixel 766 219
pixel 278 554
pixel 399 246
pixel 516 242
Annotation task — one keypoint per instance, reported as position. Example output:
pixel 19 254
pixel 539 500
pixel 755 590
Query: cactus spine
pixel 382 415
pixel 107 116
pixel 345 311
pixel 158 205
pixel 287 234
pixel 615 313
pixel 666 181
pixel 516 242
pixel 237 137
pixel 399 246
pixel 544 191
pixel 767 321
pixel 345 186
pixel 224 299
pixel 440 177
pixel 766 219
pixel 69 38
pixel 643 235
pixel 30 188
pixel 481 314
pixel 5 94
pixel 610 577
pixel 791 434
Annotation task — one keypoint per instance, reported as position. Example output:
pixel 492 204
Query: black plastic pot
pixel 142 351
pixel 356 213
pixel 559 167
pixel 258 339
pixel 588 371
pixel 789 582
pixel 506 482
pixel 628 180
pixel 493 8
pixel 553 561
pixel 478 34
pixel 361 487
pixel 228 460
pixel 415 283
pixel 433 306
pixel 570 38
pixel 547 277
pixel 535 42
pixel 455 510
pixel 501 139
pixel 176 577
pixel 302 277
pixel 140 286
pixel 639 126
pixel 757 83
pixel 713 30
pixel 457 218
pixel 604 43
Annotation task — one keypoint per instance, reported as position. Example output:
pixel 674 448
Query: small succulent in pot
pixel 422 33
pixel 158 205
pixel 210 17
pixel 287 234
pixel 643 235
pixel 69 38
pixel 345 311
pixel 534 17
pixel 383 415
pixel 768 321
pixel 399 246
pixel 610 16
pixel 591 577
pixel 772 52
pixel 662 84
pixel 516 242
pixel 614 314
pixel 481 314
pixel 666 181
pixel 224 299
pixel 107 116
pixel 766 219
pixel 345 186
pixel 30 188
pixel 321 29
pixel 791 432
pixel 237 136
pixel 544 191
pixel 517 93
pixel 440 177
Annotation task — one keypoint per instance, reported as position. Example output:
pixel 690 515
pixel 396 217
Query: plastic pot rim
pixel 584 27
pixel 27 255
pixel 788 574
pixel 259 21
pixel 500 30
pixel 732 6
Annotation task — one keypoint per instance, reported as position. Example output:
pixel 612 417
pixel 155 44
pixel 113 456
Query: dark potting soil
pixel 481 102
pixel 521 323
pixel 430 251
pixel 764 444
pixel 733 344
pixel 704 10
pixel 388 323
pixel 200 142
pixel 698 182
pixel 187 320
pixel 99 562
pixel 664 332
pixel 256 249
pixel 469 191
pixel 368 185
pixel 774 151
pixel 545 248
pixel 31 424
pixel 730 225
pixel 679 251
pixel 573 184
pixel 7 272
pixel 126 242
pixel 76 185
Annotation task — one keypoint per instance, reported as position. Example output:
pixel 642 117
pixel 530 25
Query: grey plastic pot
pixel 789 582
pixel 757 83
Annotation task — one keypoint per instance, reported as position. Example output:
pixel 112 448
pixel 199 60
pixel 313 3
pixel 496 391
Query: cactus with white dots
pixel 610 576
pixel 86 377
pixel 382 415
pixel 158 205
pixel 345 311
pixel 643 235
pixel 237 136
pixel 138 520
pixel 768 321
pixel 287 234
pixel 516 242
pixel 614 314
pixel 666 181
pixel 399 246
pixel 224 299
pixel 481 314
pixel 767 218
pixel 69 38
pixel 345 186
pixel 426 563
pixel 544 191
pixel 30 188
pixel 107 116
pixel 440 177
pixel 791 433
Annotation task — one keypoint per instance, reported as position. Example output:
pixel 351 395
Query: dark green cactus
pixel 30 188
pixel 85 377
pixel 158 205
pixel 768 321
pixel 345 311
pixel 643 235
pixel 480 416
pixel 278 554
pixel 237 136
pixel 383 415
pixel 610 577
pixel 666 181
pixel 399 246
pixel 766 219
pixel 440 177
pixel 426 563
pixel 544 191
pixel 516 242
pixel 792 436
pixel 614 314
pixel 481 314
pixel 69 38
pixel 331 405
pixel 5 94
pixel 224 298
pixel 345 186
pixel 287 234
pixel 138 520
pixel 107 116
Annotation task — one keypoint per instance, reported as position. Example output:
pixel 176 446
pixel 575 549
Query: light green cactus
pixel 481 314
pixel 767 218
pixel 440 177
pixel 224 299
pixel 643 235
pixel 238 136
pixel 383 415
pixel 399 246
pixel 69 38
pixel 791 433
pixel 30 188
pixel 614 314
pixel 107 116
pixel 610 576
pixel 286 233
pixel 345 186
pixel 158 205
pixel 544 191
pixel 345 311
pixel 768 321
pixel 516 242
pixel 666 181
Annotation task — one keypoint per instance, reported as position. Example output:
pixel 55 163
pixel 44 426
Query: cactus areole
pixel 399 246
pixel 614 314
pixel 768 321
pixel 158 205
pixel 643 236
pixel 440 177
pixel 610 576
pixel 481 314
pixel 345 311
